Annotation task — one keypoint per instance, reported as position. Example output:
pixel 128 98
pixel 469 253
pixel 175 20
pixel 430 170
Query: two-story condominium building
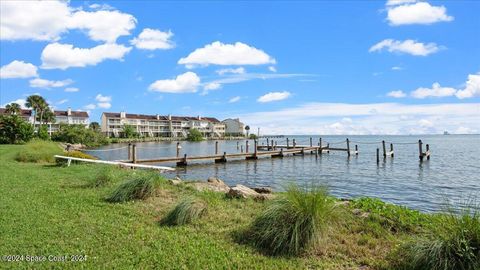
pixel 234 127
pixel 68 117
pixel 160 125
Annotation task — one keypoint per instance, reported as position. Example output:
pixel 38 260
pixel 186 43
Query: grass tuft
pixel 139 188
pixel 293 222
pixel 185 212
pixel 106 176
pixel 38 151
pixel 452 242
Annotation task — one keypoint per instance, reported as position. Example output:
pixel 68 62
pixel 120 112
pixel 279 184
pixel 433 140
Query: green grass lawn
pixel 50 210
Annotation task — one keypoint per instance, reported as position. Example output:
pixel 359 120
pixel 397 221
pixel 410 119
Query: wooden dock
pixel 269 150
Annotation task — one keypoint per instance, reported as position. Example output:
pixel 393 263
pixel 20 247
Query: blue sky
pixel 327 67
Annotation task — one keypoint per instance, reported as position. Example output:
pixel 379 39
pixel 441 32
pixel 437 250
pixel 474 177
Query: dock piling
pixel 348 147
pixel 428 151
pixel 356 150
pixel 178 149
pixel 216 147
pixel 288 143
pixel 391 150
pixel 384 149
pixel 129 151
pixel 246 146
pixel 134 153
pixel 378 155
pixel 420 150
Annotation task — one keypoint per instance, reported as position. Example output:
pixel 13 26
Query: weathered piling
pixel 238 145
pixel 320 146
pixel 384 149
pixel 134 153
pixel 294 143
pixel 223 159
pixel 246 146
pixel 178 149
pixel 130 152
pixel 356 150
pixel 428 151
pixel 391 150
pixel 378 155
pixel 420 150
pixel 348 147
pixel 268 144
pixel 288 143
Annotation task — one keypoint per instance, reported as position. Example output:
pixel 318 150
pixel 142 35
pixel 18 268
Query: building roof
pixel 160 117
pixel 23 113
pixel 28 113
pixel 73 113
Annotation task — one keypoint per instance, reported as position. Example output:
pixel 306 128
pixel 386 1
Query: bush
pixel 252 137
pixel 79 134
pixel 128 131
pixel 294 221
pixel 194 135
pixel 140 187
pixel 13 129
pixel 392 217
pixel 79 154
pixel 39 151
pixel 43 133
pixel 453 242
pixel 187 211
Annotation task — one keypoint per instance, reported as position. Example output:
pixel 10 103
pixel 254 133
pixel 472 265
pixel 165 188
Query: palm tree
pixel 48 116
pixel 12 108
pixel 95 126
pixel 37 103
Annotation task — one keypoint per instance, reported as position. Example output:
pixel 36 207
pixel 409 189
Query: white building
pixel 161 125
pixel 68 117
pixel 234 127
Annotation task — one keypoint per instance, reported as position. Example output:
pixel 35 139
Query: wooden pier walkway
pixel 270 150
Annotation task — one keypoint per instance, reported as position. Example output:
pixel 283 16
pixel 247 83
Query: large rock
pixel 176 181
pixel 241 191
pixel 212 184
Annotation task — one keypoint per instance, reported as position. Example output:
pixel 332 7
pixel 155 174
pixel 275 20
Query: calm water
pixel 452 174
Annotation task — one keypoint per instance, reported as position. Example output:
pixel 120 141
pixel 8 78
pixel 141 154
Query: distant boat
pixel 446 133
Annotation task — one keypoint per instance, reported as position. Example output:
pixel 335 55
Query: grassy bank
pixel 50 210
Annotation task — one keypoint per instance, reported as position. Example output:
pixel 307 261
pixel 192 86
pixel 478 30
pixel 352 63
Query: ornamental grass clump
pixel 139 187
pixel 38 151
pixel 106 176
pixel 451 243
pixel 293 222
pixel 185 212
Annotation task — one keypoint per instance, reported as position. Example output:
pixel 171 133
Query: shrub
pixel 43 133
pixel 13 129
pixel 185 212
pixel 79 154
pixel 294 221
pixel 392 217
pixel 252 137
pixel 39 151
pixel 128 131
pixel 79 134
pixel 453 242
pixel 139 187
pixel 194 135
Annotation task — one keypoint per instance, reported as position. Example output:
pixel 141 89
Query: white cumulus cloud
pixel 407 46
pixel 218 53
pixel 187 82
pixel 152 39
pixel 102 98
pixel 417 13
pixel 63 56
pixel 18 69
pixel 104 105
pixel 19 101
pixel 48 20
pixel 90 106
pixel 396 94
pixel 472 88
pixel 103 25
pixel 274 96
pixel 212 86
pixel 435 91
pixel 399 2
pixel 42 83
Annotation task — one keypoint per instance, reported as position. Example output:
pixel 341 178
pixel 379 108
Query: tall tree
pixel 95 126
pixel 48 116
pixel 35 102
pixel 13 108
